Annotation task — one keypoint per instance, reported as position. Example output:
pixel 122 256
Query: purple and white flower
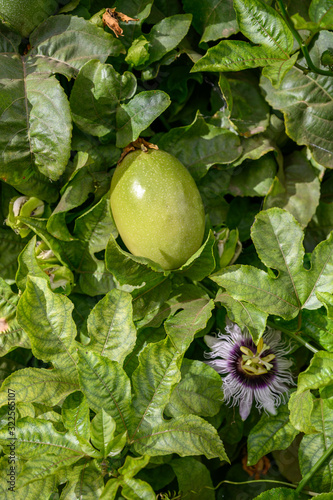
pixel 259 373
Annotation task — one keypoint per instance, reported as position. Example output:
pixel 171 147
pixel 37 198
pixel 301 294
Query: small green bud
pixel 61 279
pixel 23 206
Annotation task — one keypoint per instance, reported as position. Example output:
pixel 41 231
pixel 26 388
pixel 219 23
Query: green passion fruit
pixel 157 207
pixel 23 16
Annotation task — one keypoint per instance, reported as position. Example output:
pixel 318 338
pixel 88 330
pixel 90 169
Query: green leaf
pixel 102 429
pixel 43 465
pixel 36 436
pixel 261 24
pixel 110 490
pixel 138 53
pixel 321 224
pixel 321 12
pixel 189 435
pixel 129 269
pixel 296 189
pixel 313 446
pixel 133 489
pixel 317 326
pixel 319 374
pixel 75 414
pixel 199 392
pixel 46 317
pixel 244 314
pixel 280 494
pixel 193 308
pixel 9 41
pixel 37 489
pixel 200 145
pixel 301 406
pixel 193 478
pixel 253 177
pixel 11 245
pixel 202 262
pixel 272 432
pixel 110 326
pixel 88 483
pixel 38 384
pixel 137 490
pixel 93 229
pixel 250 112
pixel 12 336
pixel 276 71
pixel 306 100
pixel 166 35
pixel 37 109
pixel 326 298
pixel 213 19
pixel 8 300
pixel 153 381
pixel 87 178
pixel 149 299
pixel 236 55
pixel 64 43
pixel 138 9
pixel 96 96
pixel 138 114
pixel 133 465
pixel 278 241
pixel 105 385
pixel 27 264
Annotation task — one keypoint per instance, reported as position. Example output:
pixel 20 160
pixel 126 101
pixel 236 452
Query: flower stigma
pixel 252 363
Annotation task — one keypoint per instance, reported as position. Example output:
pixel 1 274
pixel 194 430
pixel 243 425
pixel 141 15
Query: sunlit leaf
pixel 105 385
pixel 46 317
pixel 110 326
pixel 38 384
pixel 278 241
pixel 189 435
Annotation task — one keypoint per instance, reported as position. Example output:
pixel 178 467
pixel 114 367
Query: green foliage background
pixel 113 399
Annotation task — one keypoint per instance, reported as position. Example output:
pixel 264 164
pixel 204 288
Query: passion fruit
pixel 157 207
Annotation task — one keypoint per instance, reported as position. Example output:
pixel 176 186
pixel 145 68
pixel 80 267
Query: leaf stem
pixel 314 469
pixel 301 43
pixel 293 335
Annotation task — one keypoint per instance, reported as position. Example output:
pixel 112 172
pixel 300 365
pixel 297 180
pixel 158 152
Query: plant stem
pixel 314 469
pixel 283 483
pixel 302 45
pixel 293 335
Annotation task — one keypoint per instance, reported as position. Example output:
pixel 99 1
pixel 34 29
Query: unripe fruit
pixel 157 208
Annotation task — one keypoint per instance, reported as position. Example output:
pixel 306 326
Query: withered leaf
pixel 140 143
pixel 111 19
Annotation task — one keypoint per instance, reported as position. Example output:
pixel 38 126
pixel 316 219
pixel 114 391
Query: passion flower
pixel 157 207
pixel 259 373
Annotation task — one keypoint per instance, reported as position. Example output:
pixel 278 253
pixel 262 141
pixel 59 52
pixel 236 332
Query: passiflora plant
pixel 166 271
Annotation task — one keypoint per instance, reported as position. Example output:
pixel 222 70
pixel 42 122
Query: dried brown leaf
pixel 140 143
pixel 111 19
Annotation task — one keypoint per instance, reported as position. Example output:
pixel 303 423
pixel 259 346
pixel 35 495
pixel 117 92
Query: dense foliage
pixel 105 390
